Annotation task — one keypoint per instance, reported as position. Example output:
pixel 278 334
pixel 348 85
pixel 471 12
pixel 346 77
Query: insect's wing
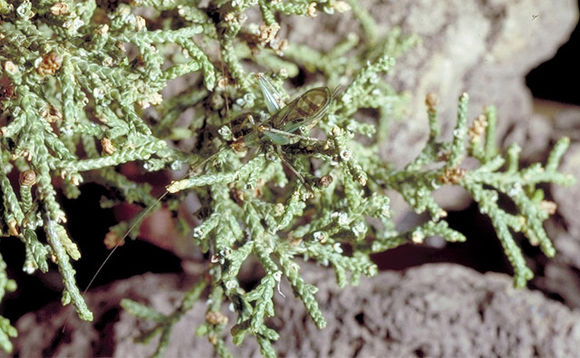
pixel 303 111
pixel 272 97
pixel 280 117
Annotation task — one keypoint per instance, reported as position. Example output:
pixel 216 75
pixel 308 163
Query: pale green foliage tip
pixel 80 93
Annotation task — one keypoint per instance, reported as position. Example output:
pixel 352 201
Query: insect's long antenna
pixel 139 218
pixel 142 214
pixel 133 226
pixel 204 162
pixel 136 222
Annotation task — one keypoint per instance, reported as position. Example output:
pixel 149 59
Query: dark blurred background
pixel 559 78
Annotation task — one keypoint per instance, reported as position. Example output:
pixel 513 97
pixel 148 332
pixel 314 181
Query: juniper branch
pixel 74 75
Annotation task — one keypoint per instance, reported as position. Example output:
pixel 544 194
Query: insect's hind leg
pixel 282 137
pixel 292 169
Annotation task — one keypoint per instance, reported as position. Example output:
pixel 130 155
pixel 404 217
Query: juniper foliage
pixel 81 93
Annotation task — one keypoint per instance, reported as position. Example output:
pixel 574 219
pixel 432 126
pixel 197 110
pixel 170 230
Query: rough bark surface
pixel 434 310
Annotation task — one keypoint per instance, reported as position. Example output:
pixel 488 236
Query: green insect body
pixel 279 129
pixel 302 113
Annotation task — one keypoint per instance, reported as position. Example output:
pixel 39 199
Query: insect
pixel 287 124
pixel 280 129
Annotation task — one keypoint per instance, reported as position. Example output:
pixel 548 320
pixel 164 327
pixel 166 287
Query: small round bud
pixel 477 129
pixel 417 237
pixel 549 207
pixel 311 10
pixel 431 101
pixel 343 219
pixel 51 114
pixel 215 318
pixel 359 228
pixel 342 6
pixel 226 133
pixel 279 209
pixel 345 155
pixel 231 284
pixel 229 17
pixel 59 9
pixel 140 23
pixel 320 236
pixel 27 177
pixel 103 29
pixel 113 240
pixel 108 146
pixel 197 232
pixel 49 64
pixel 13 228
pixel 223 82
pixel 267 33
pixel 11 67
pixel 326 180
pixel 452 175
